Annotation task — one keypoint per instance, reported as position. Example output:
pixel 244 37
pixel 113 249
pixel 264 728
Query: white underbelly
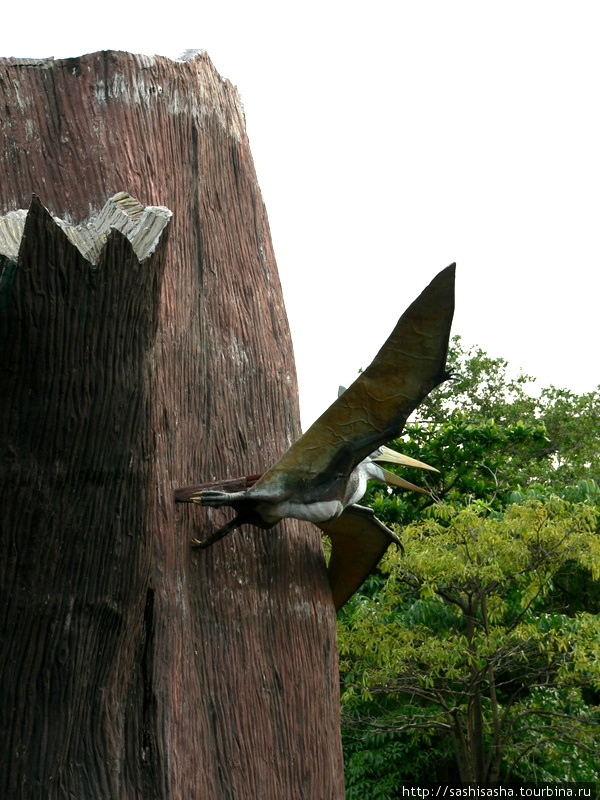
pixel 312 512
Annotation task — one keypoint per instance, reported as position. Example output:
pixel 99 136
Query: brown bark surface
pixel 130 665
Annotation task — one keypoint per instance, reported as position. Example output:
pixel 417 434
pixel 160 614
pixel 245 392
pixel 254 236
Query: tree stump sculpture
pixel 144 346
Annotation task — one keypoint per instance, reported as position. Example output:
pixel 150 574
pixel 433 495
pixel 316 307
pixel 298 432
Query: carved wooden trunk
pixel 130 665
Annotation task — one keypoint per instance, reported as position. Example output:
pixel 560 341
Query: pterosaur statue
pixel 324 473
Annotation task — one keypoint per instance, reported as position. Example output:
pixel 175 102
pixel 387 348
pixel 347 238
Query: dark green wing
pixel 358 541
pixel 373 410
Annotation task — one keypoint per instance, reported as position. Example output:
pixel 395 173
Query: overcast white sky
pixel 390 139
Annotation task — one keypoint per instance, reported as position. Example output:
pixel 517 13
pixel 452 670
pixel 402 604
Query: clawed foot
pixel 231 526
pixel 201 545
pixel 198 545
pixel 215 498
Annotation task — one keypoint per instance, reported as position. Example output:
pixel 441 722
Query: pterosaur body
pixel 324 473
pixel 271 507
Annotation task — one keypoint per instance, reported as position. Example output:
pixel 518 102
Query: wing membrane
pixel 359 541
pixel 373 410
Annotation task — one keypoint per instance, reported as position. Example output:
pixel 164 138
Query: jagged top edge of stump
pixel 142 225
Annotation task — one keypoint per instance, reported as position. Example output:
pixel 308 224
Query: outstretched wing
pixel 358 540
pixel 373 410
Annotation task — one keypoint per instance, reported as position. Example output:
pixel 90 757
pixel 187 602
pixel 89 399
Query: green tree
pixel 559 441
pixel 458 646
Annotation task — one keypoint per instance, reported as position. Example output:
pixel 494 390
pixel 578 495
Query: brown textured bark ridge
pixel 130 665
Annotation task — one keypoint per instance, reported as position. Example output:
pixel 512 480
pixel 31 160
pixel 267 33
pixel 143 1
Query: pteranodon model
pixel 324 473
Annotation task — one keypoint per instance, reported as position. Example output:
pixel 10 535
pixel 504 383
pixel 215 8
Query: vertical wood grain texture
pixel 130 665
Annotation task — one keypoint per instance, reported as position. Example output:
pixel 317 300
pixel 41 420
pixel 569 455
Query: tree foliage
pixel 473 655
pixel 555 433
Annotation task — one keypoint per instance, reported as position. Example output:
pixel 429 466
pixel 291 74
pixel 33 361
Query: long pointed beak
pixel 394 480
pixel 389 456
